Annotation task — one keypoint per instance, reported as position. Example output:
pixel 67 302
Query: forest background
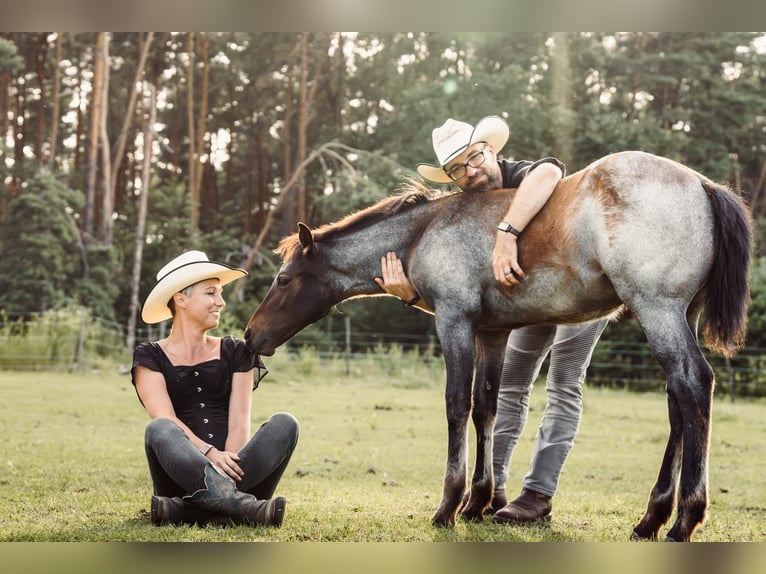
pixel 121 150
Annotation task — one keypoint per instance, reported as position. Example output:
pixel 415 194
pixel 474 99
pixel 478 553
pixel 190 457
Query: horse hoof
pixel 472 516
pixel 441 521
pixel 636 537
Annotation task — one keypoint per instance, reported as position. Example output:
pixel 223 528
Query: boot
pixel 529 507
pixel 166 510
pixel 221 498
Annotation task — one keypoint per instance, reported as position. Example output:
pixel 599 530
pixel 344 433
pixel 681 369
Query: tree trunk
pixel 247 200
pixel 5 80
pixel 41 51
pixel 262 162
pixel 758 190
pixel 107 190
pixel 122 138
pixel 19 137
pixel 143 205
pixel 201 128
pixel 80 122
pixel 300 208
pixel 56 108
pixel 288 217
pixel 193 153
pixel 95 123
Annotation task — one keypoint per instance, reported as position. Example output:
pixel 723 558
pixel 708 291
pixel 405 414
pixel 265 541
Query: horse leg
pixel 690 391
pixel 662 497
pixel 663 494
pixel 490 350
pixel 457 342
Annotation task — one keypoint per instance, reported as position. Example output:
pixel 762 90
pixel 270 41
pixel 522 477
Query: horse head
pixel 299 295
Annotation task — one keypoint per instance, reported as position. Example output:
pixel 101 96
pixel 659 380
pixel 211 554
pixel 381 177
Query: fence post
pixel 79 350
pixel 727 362
pixel 347 328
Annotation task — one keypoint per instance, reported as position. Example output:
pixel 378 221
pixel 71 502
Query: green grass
pixel 369 463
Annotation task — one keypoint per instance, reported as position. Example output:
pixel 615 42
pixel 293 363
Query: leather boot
pixel 166 510
pixel 529 507
pixel 222 499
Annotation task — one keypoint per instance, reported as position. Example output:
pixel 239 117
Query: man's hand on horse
pixel 505 262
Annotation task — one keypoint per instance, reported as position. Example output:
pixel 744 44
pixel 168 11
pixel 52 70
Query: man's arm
pixel 531 196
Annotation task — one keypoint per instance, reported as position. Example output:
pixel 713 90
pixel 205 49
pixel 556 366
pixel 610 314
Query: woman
pixel 204 464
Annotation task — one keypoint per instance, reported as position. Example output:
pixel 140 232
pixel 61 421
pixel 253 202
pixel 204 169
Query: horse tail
pixel 728 285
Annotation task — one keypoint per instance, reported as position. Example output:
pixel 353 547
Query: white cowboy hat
pixel 186 269
pixel 453 137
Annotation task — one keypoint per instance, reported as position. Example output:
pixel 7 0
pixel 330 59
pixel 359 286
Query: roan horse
pixel 631 229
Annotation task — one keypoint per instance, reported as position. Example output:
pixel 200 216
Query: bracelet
pixel 205 448
pixel 414 300
pixel 508 228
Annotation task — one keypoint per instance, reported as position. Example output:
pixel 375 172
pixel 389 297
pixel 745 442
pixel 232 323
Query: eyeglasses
pixel 474 160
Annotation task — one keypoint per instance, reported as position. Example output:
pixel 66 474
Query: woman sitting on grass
pixel 204 464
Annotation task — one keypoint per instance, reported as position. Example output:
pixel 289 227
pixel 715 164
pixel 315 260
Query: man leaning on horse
pixel 468 157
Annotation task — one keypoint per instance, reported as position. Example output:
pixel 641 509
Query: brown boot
pixel 499 500
pixel 167 510
pixel 528 508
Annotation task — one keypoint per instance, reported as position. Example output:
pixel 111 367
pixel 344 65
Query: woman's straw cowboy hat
pixel 453 137
pixel 187 269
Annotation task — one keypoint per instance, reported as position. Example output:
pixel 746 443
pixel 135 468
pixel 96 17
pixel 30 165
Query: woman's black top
pixel 200 393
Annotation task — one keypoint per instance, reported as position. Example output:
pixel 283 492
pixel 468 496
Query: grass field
pixel 368 466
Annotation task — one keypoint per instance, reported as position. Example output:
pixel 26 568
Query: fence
pixel 73 340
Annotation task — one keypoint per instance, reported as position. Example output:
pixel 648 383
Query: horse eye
pixel 283 280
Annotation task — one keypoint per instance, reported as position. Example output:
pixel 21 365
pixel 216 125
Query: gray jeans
pixel 571 348
pixel 177 468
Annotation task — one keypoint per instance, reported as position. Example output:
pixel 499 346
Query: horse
pixel 631 230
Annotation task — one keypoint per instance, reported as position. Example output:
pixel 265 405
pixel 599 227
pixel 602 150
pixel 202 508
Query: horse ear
pixel 307 239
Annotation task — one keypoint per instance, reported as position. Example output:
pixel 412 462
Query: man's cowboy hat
pixel 452 138
pixel 186 269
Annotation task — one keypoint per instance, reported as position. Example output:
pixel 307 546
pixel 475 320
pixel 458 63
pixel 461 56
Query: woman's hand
pixel 226 462
pixel 394 280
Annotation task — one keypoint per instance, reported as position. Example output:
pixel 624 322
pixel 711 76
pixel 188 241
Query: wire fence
pixel 72 340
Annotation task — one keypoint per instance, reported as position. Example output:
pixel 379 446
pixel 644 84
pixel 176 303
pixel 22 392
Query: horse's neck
pixel 355 257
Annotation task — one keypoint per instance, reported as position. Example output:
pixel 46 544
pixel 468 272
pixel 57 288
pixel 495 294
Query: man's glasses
pixel 457 172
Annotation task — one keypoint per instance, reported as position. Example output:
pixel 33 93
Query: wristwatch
pixel 508 228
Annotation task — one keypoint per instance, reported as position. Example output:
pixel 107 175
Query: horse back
pixel 629 227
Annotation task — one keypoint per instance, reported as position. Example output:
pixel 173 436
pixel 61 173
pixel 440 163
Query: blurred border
pixel 382 15
pixel 383 558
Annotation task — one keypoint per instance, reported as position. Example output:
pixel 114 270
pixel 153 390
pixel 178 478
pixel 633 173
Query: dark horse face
pixel 299 296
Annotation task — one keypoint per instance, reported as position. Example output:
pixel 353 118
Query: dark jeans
pixel 177 468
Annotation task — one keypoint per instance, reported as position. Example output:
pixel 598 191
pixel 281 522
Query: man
pixel 467 156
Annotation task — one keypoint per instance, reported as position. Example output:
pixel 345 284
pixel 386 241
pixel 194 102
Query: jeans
pixel 571 348
pixel 177 468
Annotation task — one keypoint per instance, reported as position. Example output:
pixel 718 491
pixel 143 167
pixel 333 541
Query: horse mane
pixel 412 192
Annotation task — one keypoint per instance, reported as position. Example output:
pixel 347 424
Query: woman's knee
pixel 160 429
pixel 286 424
